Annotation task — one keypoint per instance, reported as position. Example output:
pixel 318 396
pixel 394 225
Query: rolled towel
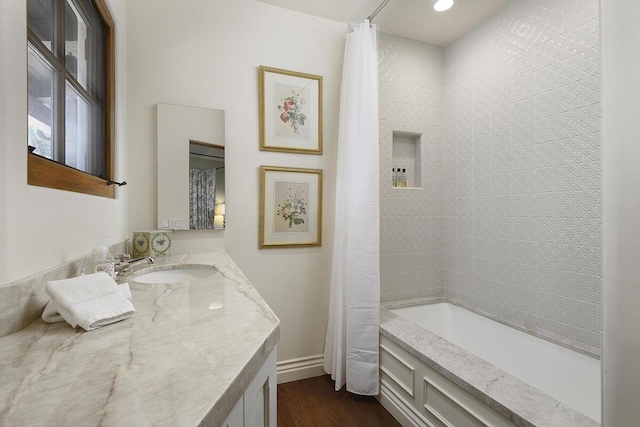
pixel 89 301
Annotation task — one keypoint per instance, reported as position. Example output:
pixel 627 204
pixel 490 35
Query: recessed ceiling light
pixel 442 5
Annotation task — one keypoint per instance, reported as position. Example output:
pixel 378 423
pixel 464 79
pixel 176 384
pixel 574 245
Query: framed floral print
pixel 290 207
pixel 290 111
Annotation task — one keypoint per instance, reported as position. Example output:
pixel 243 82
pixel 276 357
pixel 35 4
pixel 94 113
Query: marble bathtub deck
pixel 179 360
pixel 516 400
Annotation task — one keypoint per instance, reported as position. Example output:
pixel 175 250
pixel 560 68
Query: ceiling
pixel 414 19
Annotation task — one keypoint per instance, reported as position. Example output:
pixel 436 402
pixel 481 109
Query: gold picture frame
pixel 290 207
pixel 290 111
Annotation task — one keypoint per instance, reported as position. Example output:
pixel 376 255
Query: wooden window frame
pixel 43 172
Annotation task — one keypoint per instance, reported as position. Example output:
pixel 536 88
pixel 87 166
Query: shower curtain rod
pixel 375 12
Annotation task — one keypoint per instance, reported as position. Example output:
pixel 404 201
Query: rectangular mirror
pixel 191 178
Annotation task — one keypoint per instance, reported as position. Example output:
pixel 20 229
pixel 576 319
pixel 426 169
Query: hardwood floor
pixel 313 402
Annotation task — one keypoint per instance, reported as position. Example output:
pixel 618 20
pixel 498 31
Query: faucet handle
pixel 123 257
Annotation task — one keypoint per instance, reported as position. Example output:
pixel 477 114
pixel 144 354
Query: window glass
pixel 41 14
pixel 66 83
pixel 84 56
pixel 40 75
pixel 77 142
pixel 75 44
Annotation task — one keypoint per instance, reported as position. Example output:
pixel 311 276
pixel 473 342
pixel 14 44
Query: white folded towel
pixel 89 301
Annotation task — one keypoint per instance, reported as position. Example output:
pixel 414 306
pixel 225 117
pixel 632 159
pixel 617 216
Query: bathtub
pixel 442 365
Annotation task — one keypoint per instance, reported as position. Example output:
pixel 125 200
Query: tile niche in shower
pixel 407 159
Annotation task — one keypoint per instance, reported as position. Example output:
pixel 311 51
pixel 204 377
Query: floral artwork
pixel 290 207
pixel 291 211
pixel 290 105
pixel 291 112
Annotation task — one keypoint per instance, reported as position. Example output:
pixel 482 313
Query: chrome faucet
pixel 124 263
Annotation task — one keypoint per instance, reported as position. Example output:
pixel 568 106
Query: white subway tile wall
pixel 522 239
pixel 510 206
pixel 411 227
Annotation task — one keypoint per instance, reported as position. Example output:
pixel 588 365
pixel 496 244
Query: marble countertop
pixel 183 359
pixel 516 400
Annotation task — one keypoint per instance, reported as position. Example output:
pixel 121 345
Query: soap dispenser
pixel 99 260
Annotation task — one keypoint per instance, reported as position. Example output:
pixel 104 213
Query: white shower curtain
pixel 351 346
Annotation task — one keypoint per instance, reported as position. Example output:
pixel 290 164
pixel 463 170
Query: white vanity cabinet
pixel 175 338
pixel 236 417
pixel 257 406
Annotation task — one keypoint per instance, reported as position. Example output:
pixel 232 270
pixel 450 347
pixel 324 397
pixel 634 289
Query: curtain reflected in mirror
pixel 206 185
pixel 202 196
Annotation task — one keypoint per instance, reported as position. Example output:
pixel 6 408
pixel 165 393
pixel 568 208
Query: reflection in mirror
pixel 191 178
pixel 206 185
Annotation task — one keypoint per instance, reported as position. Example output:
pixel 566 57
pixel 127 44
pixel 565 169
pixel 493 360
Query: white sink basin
pixel 179 273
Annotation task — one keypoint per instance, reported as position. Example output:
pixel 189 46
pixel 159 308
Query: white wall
pixel 206 53
pixel 41 227
pixel 621 213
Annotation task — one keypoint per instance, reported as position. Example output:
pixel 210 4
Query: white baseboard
pixel 300 369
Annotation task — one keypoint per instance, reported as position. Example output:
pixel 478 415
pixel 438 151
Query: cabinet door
pixel 236 417
pixel 260 396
